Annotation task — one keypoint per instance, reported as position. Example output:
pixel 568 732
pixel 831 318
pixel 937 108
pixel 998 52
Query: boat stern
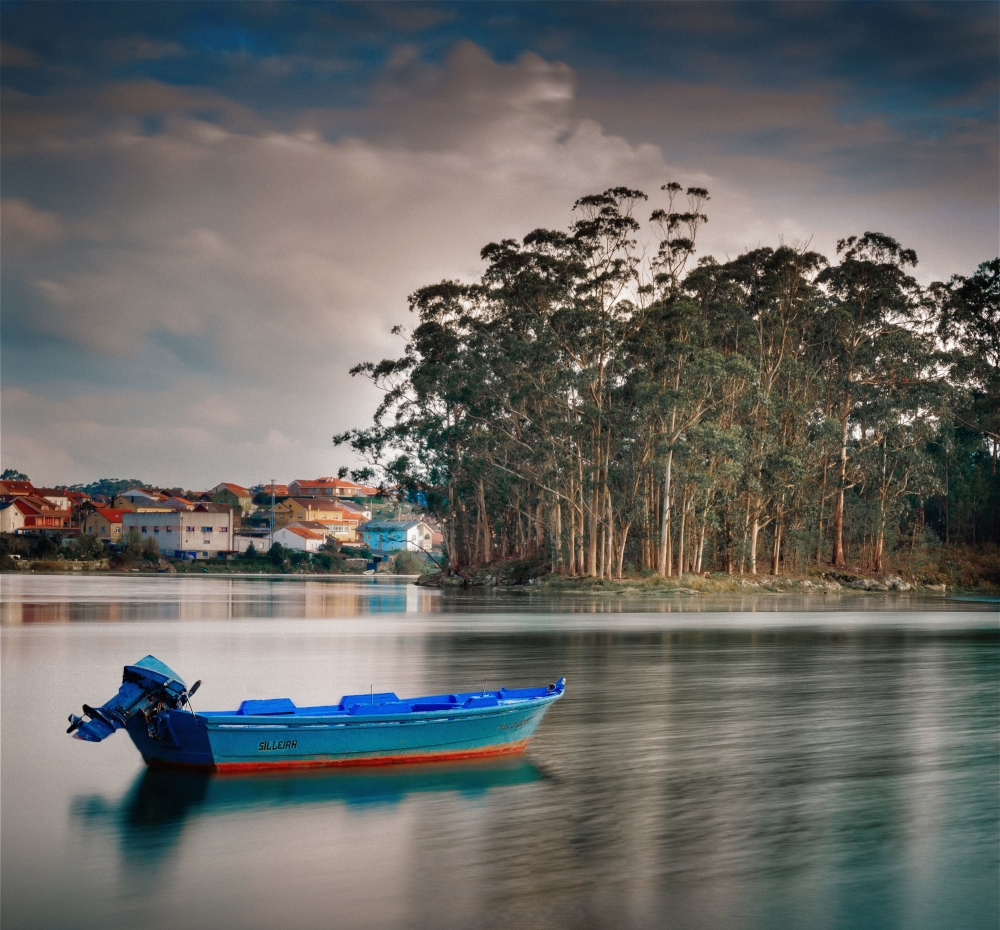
pixel 148 689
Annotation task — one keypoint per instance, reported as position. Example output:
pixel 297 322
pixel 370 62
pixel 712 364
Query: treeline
pixel 109 487
pixel 615 406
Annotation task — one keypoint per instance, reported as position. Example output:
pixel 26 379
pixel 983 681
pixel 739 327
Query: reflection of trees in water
pixel 694 762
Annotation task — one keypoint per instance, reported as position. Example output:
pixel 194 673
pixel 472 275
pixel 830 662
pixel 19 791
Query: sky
pixel 212 211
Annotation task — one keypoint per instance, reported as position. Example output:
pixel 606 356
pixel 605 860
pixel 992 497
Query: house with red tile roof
pixel 298 537
pixel 235 495
pixel 34 516
pixel 105 523
pixel 17 488
pixel 280 490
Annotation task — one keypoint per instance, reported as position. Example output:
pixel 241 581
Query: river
pixel 749 762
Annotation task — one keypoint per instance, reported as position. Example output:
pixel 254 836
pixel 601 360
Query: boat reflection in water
pixel 151 815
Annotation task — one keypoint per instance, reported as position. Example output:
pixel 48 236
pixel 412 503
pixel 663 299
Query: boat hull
pixel 246 744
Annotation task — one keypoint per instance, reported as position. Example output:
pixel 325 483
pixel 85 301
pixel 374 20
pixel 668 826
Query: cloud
pixel 140 48
pixel 23 227
pixel 261 265
pixel 202 274
pixel 13 56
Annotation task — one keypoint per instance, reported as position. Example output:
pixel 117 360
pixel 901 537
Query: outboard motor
pixel 148 687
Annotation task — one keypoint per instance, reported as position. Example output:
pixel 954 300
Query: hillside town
pixel 329 523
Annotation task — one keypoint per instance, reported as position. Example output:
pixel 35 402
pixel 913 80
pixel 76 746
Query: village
pixel 320 524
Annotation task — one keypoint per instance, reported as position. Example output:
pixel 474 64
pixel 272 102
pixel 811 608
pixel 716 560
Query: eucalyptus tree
pixel 968 313
pixel 872 302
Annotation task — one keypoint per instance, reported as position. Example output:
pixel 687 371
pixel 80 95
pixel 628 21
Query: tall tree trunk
pixel 879 547
pixel 701 536
pixel 592 540
pixel 665 521
pixel 452 551
pixel 487 547
pixel 754 534
pixel 623 537
pixel 611 533
pixel 680 533
pixel 571 530
pixel 557 559
pixel 838 512
pixel 746 537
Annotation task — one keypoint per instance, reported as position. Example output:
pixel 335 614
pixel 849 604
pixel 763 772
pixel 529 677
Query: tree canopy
pixel 600 398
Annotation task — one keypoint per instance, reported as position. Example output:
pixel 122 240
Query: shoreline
pixel 555 585
pixel 700 585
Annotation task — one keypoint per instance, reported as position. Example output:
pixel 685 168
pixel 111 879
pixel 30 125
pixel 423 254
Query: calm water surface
pixel 755 762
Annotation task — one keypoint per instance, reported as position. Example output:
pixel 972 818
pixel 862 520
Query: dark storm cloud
pixel 210 211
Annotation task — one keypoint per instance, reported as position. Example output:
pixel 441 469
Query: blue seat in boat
pixel 379 697
pixel 369 710
pixel 266 708
pixel 482 700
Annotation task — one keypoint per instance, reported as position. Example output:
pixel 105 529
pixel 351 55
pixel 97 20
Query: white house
pixel 56 496
pixel 393 535
pixel 11 518
pixel 298 537
pixel 202 533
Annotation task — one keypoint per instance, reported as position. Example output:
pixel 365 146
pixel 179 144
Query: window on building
pixel 104 530
pixel 170 529
pixel 223 529
pixel 156 529
pixel 206 529
pixel 143 529
pixel 189 529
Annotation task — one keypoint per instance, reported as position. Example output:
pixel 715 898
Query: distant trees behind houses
pixel 108 487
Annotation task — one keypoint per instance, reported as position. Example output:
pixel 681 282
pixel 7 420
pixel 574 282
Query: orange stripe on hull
pixel 236 768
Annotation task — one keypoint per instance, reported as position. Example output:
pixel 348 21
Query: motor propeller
pixel 108 717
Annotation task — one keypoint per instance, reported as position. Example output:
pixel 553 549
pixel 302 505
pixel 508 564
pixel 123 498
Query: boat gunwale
pixel 230 721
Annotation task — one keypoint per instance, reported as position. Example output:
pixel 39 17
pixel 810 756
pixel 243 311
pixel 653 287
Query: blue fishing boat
pixel 153 705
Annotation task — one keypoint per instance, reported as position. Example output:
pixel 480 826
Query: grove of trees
pixel 601 399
